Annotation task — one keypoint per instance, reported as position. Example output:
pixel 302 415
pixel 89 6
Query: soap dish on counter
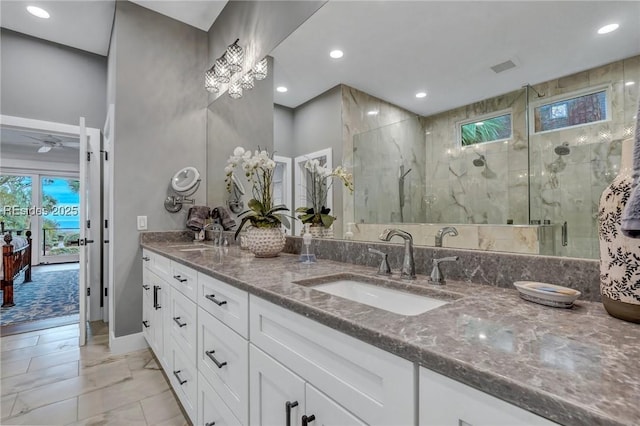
pixel 547 294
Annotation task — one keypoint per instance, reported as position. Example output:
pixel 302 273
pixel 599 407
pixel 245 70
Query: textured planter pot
pixel 265 242
pixel 619 255
pixel 320 232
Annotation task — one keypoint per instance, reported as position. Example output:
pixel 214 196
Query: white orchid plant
pixel 258 167
pixel 318 186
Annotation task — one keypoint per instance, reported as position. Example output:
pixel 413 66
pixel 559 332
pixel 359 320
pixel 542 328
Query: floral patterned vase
pixel 265 242
pixel 619 255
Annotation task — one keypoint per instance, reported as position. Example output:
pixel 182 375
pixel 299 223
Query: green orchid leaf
pixel 327 220
pixel 255 205
pixel 242 223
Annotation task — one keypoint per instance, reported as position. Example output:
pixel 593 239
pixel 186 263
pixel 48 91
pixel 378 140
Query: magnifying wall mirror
pixel 185 183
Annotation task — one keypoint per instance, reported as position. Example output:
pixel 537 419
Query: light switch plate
pixel 142 223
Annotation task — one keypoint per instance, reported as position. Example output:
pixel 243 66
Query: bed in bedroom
pixel 16 258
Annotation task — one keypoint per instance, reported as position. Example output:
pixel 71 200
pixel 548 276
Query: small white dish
pixel 547 294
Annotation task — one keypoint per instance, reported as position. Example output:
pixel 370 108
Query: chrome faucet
pixel 216 228
pixel 383 268
pixel 447 230
pixel 436 275
pixel 408 265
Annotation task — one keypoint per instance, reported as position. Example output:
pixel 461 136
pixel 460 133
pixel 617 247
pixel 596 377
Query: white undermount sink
pixel 392 300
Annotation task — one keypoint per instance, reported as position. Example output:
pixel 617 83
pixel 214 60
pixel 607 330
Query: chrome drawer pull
pixel 212 297
pixel 182 382
pixel 180 324
pixel 146 324
pixel 180 279
pixel 212 358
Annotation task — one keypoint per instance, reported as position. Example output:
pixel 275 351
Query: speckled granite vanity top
pixel 575 366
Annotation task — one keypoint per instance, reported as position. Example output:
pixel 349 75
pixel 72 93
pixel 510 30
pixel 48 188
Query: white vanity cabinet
pixel 345 379
pixel 154 303
pixel 446 402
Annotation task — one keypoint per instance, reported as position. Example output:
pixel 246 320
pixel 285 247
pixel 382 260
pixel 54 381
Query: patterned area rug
pixel 48 295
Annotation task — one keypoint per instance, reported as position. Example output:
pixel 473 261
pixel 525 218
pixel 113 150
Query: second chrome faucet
pixel 408 270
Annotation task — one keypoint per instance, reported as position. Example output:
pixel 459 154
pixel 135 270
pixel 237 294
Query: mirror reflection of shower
pixel 559 164
pixel 481 161
pixel 401 175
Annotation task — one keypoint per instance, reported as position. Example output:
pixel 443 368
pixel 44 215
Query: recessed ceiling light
pixel 336 54
pixel 372 112
pixel 630 83
pixel 608 28
pixel 281 89
pixel 37 11
pixel 421 95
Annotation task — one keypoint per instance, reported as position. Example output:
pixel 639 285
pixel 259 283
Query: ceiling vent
pixel 503 66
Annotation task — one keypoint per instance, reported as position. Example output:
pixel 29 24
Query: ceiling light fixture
pixel 38 11
pixel 420 95
pixel 281 89
pixel 336 54
pixel 372 112
pixel 608 28
pixel 228 72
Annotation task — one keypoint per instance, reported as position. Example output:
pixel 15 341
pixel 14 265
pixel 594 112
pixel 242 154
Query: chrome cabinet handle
pixel 180 324
pixel 212 297
pixel 180 279
pixel 212 358
pixel 146 258
pixel 288 406
pixel 307 419
pixel 156 306
pixel 146 287
pixel 182 382
pixel 146 324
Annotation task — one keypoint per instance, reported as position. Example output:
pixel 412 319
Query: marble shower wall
pixel 380 157
pixel 568 188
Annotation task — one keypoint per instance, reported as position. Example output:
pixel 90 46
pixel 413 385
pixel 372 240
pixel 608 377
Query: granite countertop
pixel 574 366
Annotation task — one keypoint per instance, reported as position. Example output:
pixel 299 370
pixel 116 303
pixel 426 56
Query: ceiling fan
pixel 49 142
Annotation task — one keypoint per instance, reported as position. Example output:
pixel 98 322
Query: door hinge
pixel 88 223
pixel 106 155
pixel 106 223
pixel 88 291
pixel 88 156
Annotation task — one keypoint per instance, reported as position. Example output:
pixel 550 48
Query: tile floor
pixel 46 379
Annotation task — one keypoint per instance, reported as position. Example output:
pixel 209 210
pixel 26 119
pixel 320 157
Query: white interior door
pixel 84 148
pixel 93 223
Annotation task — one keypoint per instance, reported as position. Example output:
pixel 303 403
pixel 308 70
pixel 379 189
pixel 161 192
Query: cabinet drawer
pixel 444 401
pixel 227 303
pixel 184 379
pixel 156 263
pixel 211 409
pixel 374 385
pixel 182 323
pixel 219 344
pixel 184 279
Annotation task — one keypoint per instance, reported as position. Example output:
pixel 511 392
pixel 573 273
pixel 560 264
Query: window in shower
pixel 577 109
pixel 488 128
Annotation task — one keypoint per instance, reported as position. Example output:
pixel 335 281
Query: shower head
pixel 481 161
pixel 562 149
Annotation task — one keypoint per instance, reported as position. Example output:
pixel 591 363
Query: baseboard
pixel 128 343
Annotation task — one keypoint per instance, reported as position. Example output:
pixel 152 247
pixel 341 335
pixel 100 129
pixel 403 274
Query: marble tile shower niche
pixel 521 180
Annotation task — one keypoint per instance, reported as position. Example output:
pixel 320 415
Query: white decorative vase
pixel 265 242
pixel 619 255
pixel 319 231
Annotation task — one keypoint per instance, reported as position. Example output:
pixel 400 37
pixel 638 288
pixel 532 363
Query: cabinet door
pixel 211 409
pixel 182 322
pixel 271 387
pixel 446 402
pixel 322 411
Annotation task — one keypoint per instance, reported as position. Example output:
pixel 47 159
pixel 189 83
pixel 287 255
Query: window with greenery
pixel 569 112
pixel 490 129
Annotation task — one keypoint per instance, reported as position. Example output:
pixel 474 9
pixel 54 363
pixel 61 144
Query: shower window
pixel 491 128
pixel 571 111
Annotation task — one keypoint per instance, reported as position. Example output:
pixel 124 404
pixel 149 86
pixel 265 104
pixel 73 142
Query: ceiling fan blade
pixel 43 149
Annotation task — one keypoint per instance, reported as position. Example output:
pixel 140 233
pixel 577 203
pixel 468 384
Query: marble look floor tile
pixel 143 359
pixel 19 343
pixel 37 333
pixel 58 413
pixel 23 382
pixel 145 383
pixel 50 360
pixel 129 415
pixel 61 335
pixel 6 405
pixel 92 359
pixel 160 407
pixel 175 421
pixel 38 350
pixel 88 381
pixel 12 368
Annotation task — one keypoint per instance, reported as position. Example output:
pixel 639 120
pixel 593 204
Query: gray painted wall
pixel 160 127
pixel 317 125
pixel 47 81
pixel 283 140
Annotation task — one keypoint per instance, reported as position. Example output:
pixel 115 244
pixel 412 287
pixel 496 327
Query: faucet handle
pixel 436 275
pixel 384 268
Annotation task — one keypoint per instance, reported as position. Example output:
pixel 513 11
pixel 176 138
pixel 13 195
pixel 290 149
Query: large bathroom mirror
pixel 499 147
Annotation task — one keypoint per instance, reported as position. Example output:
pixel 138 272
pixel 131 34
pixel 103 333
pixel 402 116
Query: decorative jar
pixel 265 242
